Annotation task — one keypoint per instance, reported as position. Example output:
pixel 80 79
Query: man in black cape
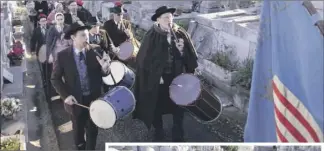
pixel 160 59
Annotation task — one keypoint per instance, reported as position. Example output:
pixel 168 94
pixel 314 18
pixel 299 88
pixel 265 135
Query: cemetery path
pixel 40 132
pixel 128 130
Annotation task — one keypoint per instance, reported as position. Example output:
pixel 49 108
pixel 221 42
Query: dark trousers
pixel 177 129
pixel 46 69
pixel 165 105
pixel 82 124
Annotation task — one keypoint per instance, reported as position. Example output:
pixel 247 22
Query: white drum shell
pixel 102 114
pixel 117 69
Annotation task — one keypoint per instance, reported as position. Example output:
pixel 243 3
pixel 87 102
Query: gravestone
pixel 228 31
pixel 6 37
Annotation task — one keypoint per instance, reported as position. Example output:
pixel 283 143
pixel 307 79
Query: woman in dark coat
pixel 159 61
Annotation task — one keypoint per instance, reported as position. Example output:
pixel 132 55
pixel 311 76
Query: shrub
pixel 224 60
pixel 10 144
pixel 9 107
pixel 243 76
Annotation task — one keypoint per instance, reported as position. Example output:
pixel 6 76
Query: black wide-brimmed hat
pixel 117 9
pixel 75 27
pixel 162 10
pixel 92 21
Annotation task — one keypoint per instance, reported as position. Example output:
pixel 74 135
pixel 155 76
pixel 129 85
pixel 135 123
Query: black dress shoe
pixel 159 135
pixel 81 147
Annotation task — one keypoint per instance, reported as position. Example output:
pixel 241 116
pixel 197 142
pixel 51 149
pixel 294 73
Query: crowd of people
pixel 75 51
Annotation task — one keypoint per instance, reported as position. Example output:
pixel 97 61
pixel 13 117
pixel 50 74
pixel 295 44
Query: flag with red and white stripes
pixel 286 99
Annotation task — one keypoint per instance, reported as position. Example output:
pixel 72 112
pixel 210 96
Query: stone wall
pixel 234 30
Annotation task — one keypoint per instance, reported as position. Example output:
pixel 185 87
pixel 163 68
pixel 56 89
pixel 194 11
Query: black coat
pixel 65 67
pixel 38 39
pixel 43 5
pixel 82 16
pixel 151 60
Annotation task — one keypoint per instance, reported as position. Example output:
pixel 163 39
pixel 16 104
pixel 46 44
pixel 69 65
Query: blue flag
pixel 286 98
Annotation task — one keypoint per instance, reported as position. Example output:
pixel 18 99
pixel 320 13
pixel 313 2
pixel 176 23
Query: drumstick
pixel 100 56
pixel 178 85
pixel 81 105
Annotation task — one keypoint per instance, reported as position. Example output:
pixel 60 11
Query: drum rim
pixel 134 107
pixel 108 75
pixel 220 112
pixel 132 52
pixel 110 106
pixel 200 85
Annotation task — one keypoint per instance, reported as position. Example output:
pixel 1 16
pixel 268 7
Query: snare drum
pixel 207 108
pixel 122 75
pixel 186 91
pixel 114 105
pixel 126 51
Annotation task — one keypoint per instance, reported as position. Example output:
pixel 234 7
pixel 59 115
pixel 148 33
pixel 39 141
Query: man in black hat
pixel 98 38
pixel 82 71
pixel 37 44
pixel 73 14
pixel 160 59
pixel 118 29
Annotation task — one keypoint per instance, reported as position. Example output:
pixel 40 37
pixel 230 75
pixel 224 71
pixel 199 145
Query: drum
pixel 114 105
pixel 42 54
pixel 126 50
pixel 122 75
pixel 187 91
pixel 207 108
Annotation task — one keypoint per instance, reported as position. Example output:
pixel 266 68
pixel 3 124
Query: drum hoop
pixel 114 107
pixel 123 70
pixel 191 74
pixel 105 102
pixel 210 121
pixel 132 52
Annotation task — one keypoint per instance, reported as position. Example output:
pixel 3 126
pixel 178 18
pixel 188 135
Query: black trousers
pixel 82 124
pixel 165 105
pixel 46 69
pixel 177 129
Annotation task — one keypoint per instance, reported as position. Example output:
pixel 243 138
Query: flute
pixel 173 33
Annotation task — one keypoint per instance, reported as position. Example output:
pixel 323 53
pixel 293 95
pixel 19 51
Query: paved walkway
pixel 41 135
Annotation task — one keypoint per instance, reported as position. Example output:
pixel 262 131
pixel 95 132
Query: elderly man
pixel 160 59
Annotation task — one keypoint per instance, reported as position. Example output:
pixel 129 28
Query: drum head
pixel 102 114
pixel 117 69
pixel 126 51
pixel 185 89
